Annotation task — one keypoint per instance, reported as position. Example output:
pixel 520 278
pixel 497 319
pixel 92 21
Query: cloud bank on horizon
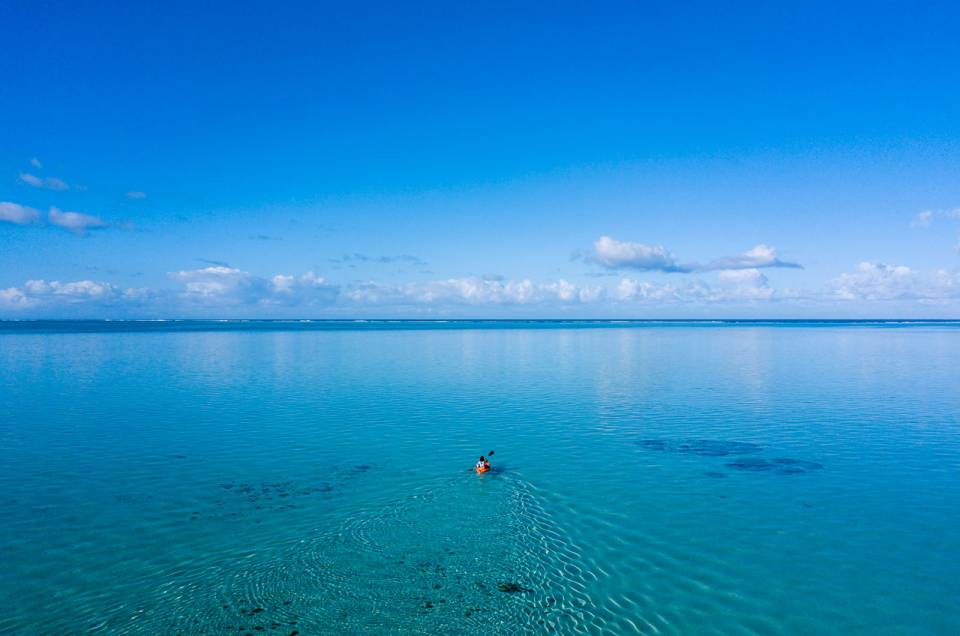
pixel 221 291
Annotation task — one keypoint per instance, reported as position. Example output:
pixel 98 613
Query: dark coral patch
pixel 779 465
pixel 702 447
pixel 753 464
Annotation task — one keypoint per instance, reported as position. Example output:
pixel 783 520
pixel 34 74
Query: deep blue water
pixel 672 477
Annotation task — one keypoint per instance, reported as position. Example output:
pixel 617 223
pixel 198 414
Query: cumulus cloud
pixel 731 286
pixel 219 289
pixel 136 195
pixel 75 222
pixel 218 281
pixel 80 290
pixel 219 285
pixel 18 214
pixel 759 256
pixel 875 281
pixel 47 183
pixel 473 290
pixel 41 293
pixel 14 299
pixel 614 254
pixel 882 282
pixel 746 284
pixel 631 289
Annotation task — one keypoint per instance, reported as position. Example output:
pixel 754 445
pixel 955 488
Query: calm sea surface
pixel 655 478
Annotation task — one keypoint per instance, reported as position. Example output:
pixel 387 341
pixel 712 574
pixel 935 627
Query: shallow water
pixel 672 478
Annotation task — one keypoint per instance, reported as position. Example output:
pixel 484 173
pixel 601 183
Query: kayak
pixel 481 470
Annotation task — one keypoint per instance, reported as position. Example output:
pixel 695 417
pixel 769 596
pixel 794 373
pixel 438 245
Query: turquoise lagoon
pixel 313 477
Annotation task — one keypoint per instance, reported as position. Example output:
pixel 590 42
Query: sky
pixel 479 159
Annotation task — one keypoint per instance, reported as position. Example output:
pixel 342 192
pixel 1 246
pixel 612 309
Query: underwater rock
pixel 755 464
pixel 512 588
pixel 267 497
pixel 702 447
pixel 787 465
pixel 779 465
pixel 653 444
pixel 725 448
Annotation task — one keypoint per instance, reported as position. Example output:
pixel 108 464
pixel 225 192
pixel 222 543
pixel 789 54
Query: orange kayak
pixel 482 470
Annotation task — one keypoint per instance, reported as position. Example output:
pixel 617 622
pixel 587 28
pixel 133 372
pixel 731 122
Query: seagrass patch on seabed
pixel 727 448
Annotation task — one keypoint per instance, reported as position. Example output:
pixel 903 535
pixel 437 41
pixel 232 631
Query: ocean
pixel 313 477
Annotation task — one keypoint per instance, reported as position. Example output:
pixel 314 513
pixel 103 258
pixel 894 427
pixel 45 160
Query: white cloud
pixel 47 183
pixel 18 214
pixel 731 286
pixel 136 195
pixel 75 221
pixel 220 290
pixel 474 290
pixel 632 289
pixel 875 281
pixel 81 289
pixel 882 282
pixel 54 294
pixel 614 254
pixel 926 218
pixel 758 256
pixel 230 286
pixel 36 163
pixel 923 219
pixel 210 281
pixel 745 284
pixel 14 299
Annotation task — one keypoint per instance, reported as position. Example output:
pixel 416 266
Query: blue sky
pixel 479 159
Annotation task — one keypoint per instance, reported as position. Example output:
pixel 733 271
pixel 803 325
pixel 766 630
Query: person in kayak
pixel 483 465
